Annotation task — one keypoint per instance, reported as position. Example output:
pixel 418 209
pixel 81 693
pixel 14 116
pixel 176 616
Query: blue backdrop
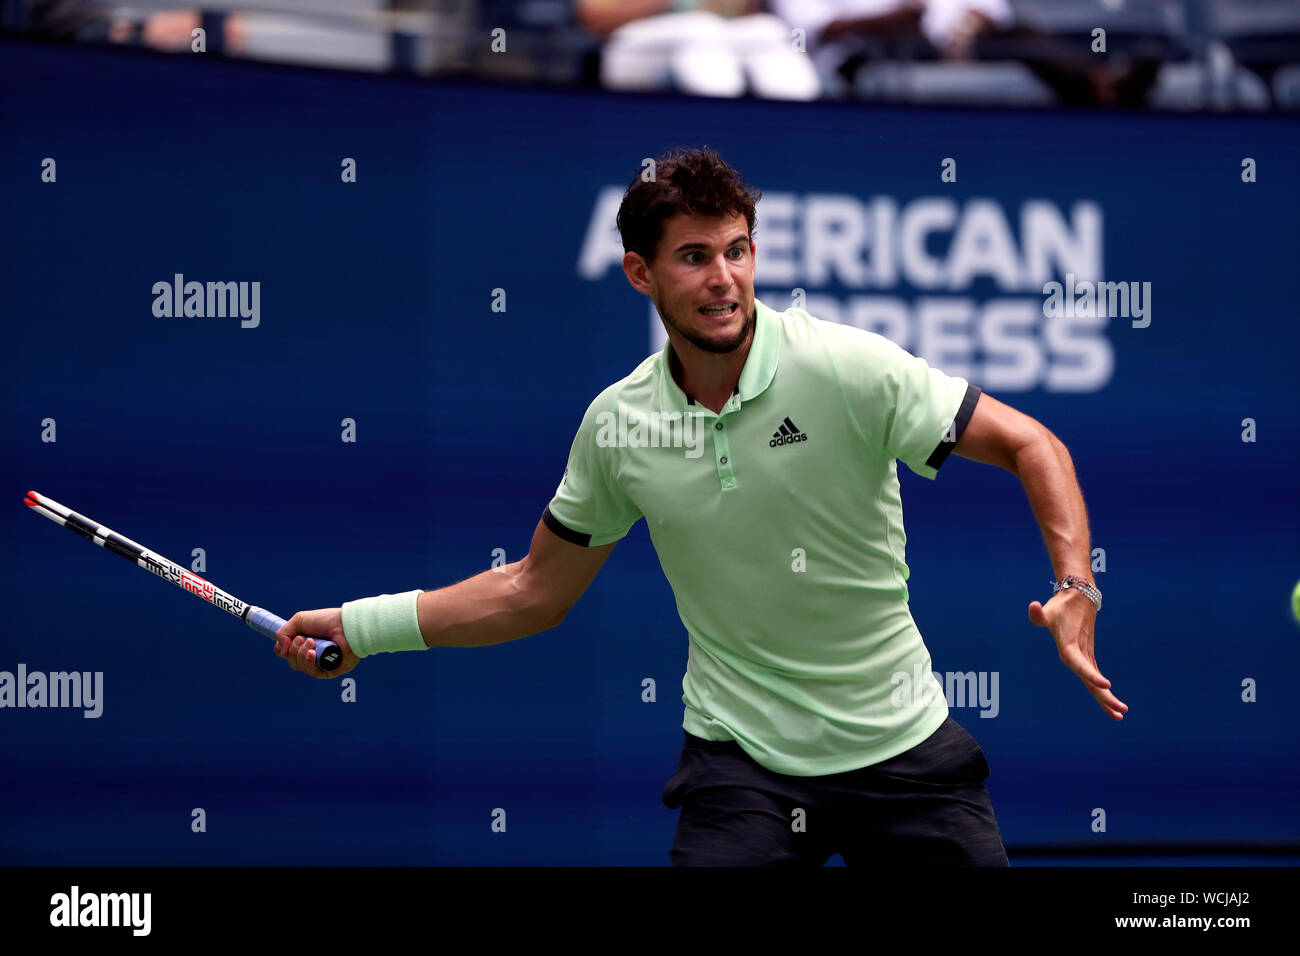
pixel 377 305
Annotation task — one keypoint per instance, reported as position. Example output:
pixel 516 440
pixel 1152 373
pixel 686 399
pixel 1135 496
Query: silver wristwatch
pixel 1076 583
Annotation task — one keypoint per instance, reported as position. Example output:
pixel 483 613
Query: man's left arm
pixel 998 434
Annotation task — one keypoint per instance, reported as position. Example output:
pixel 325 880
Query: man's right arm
pixel 512 601
pixel 499 605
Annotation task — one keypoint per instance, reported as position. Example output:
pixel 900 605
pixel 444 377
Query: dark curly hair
pixel 694 181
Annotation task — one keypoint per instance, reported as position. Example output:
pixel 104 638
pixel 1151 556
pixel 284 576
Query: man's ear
pixel 634 267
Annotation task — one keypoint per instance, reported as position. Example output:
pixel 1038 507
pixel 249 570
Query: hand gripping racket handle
pixel 328 654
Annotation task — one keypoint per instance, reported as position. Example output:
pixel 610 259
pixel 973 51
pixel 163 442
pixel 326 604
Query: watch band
pixel 1074 582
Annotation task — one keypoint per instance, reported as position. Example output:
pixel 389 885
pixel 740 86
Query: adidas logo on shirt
pixel 787 434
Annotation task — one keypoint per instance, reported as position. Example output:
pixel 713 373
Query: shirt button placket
pixel 722 451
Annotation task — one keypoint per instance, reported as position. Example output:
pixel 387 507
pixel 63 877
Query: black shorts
pixel 925 807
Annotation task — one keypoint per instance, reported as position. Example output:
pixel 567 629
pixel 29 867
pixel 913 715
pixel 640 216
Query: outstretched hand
pixel 1070 616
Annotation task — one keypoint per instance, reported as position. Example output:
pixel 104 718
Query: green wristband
pixel 388 622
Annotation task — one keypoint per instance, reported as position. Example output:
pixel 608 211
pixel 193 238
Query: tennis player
pixel 760 447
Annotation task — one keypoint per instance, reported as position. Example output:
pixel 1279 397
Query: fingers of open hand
pixel 1082 663
pixel 1086 668
pixel 1112 705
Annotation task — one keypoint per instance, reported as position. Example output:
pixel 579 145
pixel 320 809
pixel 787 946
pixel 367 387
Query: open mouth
pixel 719 311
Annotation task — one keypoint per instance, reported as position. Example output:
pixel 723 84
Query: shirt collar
pixel 760 364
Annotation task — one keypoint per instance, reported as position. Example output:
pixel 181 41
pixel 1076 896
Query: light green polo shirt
pixel 779 526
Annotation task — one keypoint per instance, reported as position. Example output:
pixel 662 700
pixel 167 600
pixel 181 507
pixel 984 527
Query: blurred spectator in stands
pixel 706 47
pixel 68 20
pixel 172 30
pixel 843 35
pixel 168 30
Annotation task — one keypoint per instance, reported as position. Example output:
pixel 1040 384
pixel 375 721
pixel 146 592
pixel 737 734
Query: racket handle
pixel 328 654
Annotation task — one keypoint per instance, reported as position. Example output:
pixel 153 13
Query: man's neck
pixel 707 377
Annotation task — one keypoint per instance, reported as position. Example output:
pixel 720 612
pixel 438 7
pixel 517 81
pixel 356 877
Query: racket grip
pixel 328 654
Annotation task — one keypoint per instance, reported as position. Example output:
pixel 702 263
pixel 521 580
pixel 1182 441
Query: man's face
pixel 702 261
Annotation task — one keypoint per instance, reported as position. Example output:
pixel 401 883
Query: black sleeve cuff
pixel 562 531
pixel 964 412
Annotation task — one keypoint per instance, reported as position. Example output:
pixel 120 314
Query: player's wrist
pixel 1084 585
pixel 384 623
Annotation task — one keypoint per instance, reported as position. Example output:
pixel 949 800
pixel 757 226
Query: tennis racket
pixel 328 654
